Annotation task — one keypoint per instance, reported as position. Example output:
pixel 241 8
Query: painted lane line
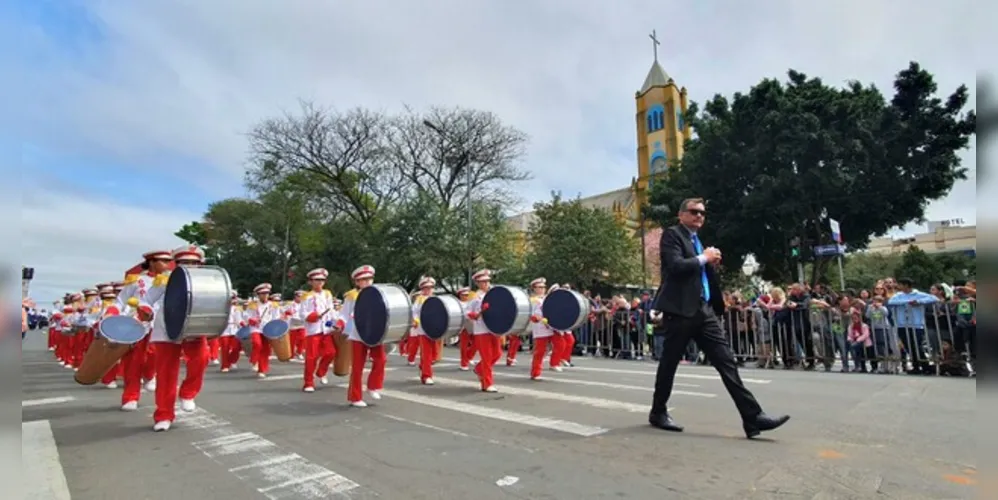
pixel 453 432
pixel 261 463
pixel 42 476
pixel 606 404
pixel 497 414
pixel 696 376
pixel 47 401
pixel 299 376
pixel 608 385
pixel 574 368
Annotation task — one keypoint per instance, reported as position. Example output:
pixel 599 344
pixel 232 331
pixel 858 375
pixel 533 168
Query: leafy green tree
pixel 779 161
pixel 920 267
pixel 583 246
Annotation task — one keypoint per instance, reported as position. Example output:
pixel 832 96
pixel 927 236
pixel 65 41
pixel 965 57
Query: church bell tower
pixel 661 129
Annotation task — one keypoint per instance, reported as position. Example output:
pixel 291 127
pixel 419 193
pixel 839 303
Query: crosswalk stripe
pixel 608 385
pixel 46 401
pixel 607 404
pixel 697 376
pixel 42 476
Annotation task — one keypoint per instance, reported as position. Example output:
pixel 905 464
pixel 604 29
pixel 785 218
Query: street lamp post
pixel 464 163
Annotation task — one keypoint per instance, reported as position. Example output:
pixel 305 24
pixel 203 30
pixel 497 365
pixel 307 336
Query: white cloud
pixel 75 242
pixel 187 78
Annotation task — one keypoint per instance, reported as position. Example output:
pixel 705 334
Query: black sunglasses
pixel 697 211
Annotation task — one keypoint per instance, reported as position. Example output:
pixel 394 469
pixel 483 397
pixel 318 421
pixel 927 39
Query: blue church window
pixel 680 122
pixel 655 118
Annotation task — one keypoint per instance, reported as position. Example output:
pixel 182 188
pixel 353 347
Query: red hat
pixel 362 272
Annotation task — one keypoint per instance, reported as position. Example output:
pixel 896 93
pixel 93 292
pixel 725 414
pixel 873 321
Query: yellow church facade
pixel 661 132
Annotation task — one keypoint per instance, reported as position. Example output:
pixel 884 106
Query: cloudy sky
pixel 128 117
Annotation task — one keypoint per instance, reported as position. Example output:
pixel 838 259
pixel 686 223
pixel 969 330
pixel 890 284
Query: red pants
pixel 569 339
pixel 64 348
pixel 412 347
pixel 557 348
pixel 261 353
pixel 133 365
pixel 168 371
pixel 149 366
pixel 490 350
pixel 52 338
pixel 540 349
pixel 320 351
pixel 512 348
pixel 297 341
pixel 230 349
pixel 429 349
pixel 112 374
pixel 376 379
pixel 214 346
pixel 466 344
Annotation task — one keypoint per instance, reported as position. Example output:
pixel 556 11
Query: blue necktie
pixel 703 270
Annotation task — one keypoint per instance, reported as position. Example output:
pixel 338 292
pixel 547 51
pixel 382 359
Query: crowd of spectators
pixel 890 328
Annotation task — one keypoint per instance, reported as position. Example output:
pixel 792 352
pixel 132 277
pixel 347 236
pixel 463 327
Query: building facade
pixel 942 237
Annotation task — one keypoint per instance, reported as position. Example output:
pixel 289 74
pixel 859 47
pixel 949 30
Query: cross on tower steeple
pixel 655 43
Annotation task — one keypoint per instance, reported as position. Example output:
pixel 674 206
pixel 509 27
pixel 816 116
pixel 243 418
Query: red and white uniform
pixel 109 307
pixel 137 299
pixel 318 312
pixel 543 335
pixel 466 342
pixel 256 317
pixel 360 351
pixel 487 343
pixel 169 352
pixel 429 349
pixel 297 329
pixel 229 345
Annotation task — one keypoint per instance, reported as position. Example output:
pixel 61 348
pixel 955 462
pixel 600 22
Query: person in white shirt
pixel 428 348
pixel 486 343
pixel 318 312
pixel 363 277
pixel 256 316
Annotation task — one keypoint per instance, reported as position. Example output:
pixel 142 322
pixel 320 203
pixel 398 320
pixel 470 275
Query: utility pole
pixel 463 162
pixel 27 274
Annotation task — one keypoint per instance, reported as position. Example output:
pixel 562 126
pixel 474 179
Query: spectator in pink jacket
pixel 859 340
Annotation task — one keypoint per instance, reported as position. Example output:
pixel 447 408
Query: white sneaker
pixel 491 388
pixel 216 362
pixel 163 425
pixel 188 405
pixel 557 368
pixel 428 381
pixel 130 406
pixel 324 380
pixel 224 370
pixel 112 385
pixel 255 367
pixel 67 365
pixel 261 375
pixel 565 363
pixel 308 389
pixel 358 404
pixel 375 395
pixel 151 385
pixel 76 369
pixel 412 363
pixel 538 378
pixel 464 368
pixel 233 366
pixel 51 349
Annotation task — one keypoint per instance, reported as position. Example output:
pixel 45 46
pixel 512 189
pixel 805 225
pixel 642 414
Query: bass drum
pixel 245 336
pixel 276 333
pixel 565 309
pixel 382 314
pixel 441 317
pixel 117 335
pixel 196 302
pixel 508 310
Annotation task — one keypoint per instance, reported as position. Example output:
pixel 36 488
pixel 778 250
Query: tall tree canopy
pixel 580 245
pixel 781 160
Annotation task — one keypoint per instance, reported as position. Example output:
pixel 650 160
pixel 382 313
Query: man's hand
pixel 713 255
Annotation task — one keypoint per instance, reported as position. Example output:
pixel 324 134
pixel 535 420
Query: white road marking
pixel 497 414
pixel 42 476
pixel 697 376
pixel 507 481
pixel 607 404
pixel 299 376
pixel 47 401
pixel 608 385
pixel 263 465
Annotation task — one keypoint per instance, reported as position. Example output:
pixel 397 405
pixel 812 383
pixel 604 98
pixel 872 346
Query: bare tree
pixel 340 158
pixel 433 151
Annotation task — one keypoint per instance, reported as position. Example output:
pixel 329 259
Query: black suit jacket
pixel 681 287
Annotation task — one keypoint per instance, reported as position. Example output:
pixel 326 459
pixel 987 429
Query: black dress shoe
pixel 665 422
pixel 762 423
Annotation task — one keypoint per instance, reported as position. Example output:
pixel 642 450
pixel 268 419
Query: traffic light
pixel 795 247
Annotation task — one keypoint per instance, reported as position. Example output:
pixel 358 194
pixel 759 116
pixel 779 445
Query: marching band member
pixel 465 341
pixel 567 342
pixel 109 307
pixel 168 353
pixel 53 340
pixel 318 312
pixel 486 343
pixel 64 351
pixel 229 345
pixel 298 333
pixel 136 299
pixel 363 277
pixel 80 323
pixel 92 306
pixel 427 346
pixel 543 334
pixel 256 317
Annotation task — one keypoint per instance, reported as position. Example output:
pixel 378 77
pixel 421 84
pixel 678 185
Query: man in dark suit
pixel 689 302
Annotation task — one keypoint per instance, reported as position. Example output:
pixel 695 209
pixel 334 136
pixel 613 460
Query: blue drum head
pixel 370 316
pixel 275 329
pixel 244 333
pixel 502 311
pixel 562 309
pixel 433 317
pixel 122 329
pixel 176 304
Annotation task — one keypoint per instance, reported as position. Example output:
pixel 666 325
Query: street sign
pixel 826 250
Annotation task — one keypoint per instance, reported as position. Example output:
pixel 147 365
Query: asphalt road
pixel 580 434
